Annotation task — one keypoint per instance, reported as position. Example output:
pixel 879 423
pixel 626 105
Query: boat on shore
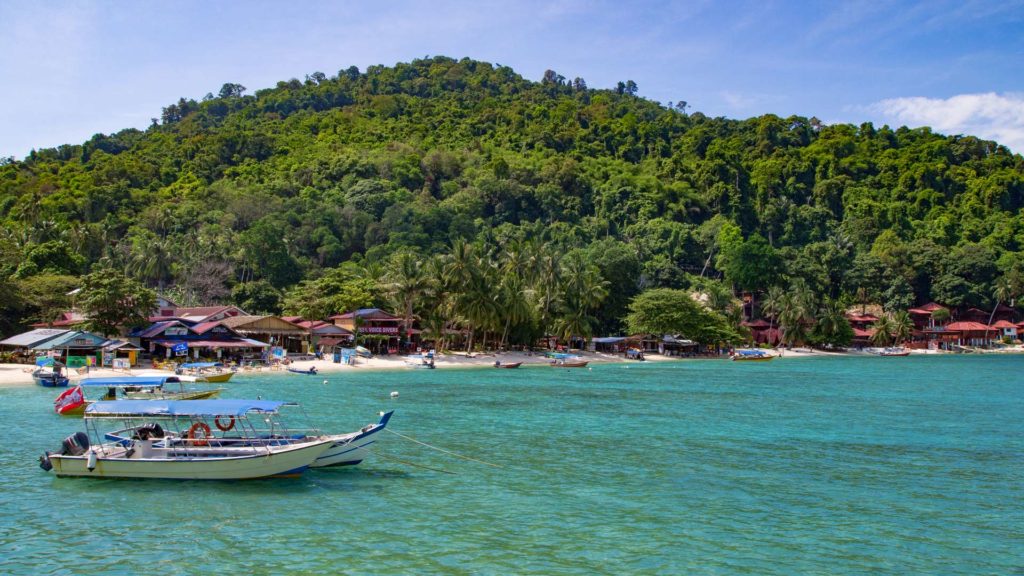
pixel 175 440
pixel 751 356
pixel 74 401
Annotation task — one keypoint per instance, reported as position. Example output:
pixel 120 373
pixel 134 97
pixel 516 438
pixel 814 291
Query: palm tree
pixel 882 335
pixel 406 283
pixel 902 326
pixel 796 311
pixel 772 304
pixel 831 320
pixel 584 289
pixel 1002 292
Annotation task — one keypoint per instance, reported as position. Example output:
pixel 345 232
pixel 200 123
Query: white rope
pixel 442 449
pixel 386 457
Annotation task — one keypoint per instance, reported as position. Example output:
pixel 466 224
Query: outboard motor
pixel 149 431
pixel 75 445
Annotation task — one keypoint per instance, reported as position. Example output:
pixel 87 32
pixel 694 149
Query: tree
pixel 406 282
pixel 667 311
pixel 901 326
pixel 111 301
pixel 257 297
pixel 46 296
pixel 882 335
pixel 230 90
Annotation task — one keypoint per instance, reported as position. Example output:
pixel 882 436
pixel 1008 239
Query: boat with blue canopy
pixel 174 439
pixel 751 356
pixel 74 401
pixel 208 371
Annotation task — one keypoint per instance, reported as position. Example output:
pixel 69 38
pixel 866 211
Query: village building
pixel 379 331
pixel 862 330
pixel 1006 329
pixel 272 330
pixel 763 332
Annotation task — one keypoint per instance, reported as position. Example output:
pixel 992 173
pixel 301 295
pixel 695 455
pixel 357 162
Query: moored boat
pixel 568 363
pixel 310 372
pixel 174 440
pixel 894 352
pixel 751 356
pixel 54 377
pixel 212 372
pixel 74 401
pixel 498 364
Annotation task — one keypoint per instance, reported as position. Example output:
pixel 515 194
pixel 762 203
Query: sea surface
pixel 838 465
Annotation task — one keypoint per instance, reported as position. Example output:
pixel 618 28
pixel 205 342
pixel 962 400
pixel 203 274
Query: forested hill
pixel 238 191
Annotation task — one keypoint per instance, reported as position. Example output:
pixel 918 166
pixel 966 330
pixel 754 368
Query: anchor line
pixel 442 449
pixel 407 463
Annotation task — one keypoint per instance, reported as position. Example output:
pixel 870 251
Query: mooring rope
pixel 442 449
pixel 407 463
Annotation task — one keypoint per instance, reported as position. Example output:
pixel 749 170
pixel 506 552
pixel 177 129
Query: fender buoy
pixel 202 440
pixel 224 427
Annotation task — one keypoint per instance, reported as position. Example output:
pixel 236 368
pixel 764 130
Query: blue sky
pixel 73 69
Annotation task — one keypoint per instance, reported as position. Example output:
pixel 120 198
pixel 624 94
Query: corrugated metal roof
pixel 32 337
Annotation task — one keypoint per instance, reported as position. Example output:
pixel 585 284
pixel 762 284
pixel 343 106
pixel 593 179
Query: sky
pixel 71 69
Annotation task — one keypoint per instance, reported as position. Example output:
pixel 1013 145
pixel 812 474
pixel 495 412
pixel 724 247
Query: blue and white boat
pixel 176 440
pixel 52 377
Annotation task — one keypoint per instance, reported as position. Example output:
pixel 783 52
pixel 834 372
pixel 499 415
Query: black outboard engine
pixel 149 431
pixel 75 445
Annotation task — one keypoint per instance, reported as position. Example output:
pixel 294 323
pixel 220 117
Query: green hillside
pixel 333 179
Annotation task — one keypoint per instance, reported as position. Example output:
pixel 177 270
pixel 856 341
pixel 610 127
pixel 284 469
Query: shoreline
pixel 14 375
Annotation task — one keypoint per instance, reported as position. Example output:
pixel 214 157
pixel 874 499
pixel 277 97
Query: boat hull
pixel 510 365
pixel 51 382
pixel 217 378
pixel 351 449
pixel 580 364
pixel 765 358
pixel 283 460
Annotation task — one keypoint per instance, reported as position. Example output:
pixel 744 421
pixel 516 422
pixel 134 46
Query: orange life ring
pixel 224 427
pixel 204 440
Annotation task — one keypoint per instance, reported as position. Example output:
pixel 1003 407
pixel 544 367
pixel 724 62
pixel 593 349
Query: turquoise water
pixel 798 466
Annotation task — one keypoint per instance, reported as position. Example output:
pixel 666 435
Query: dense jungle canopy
pixel 314 194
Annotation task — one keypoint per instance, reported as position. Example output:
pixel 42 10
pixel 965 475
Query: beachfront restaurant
pixel 212 340
pixel 322 337
pixel 376 329
pixel 609 345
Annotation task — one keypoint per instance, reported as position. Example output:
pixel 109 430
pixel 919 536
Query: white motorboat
pixel 350 449
pixel 174 440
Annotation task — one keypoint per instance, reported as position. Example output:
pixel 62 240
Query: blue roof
pixel 182 407
pixel 117 381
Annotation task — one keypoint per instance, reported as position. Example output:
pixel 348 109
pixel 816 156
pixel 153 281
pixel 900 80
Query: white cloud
pixel 991 116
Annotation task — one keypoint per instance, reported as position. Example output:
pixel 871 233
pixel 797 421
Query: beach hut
pixel 1006 329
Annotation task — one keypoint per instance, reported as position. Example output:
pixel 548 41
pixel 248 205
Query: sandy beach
pixel 20 374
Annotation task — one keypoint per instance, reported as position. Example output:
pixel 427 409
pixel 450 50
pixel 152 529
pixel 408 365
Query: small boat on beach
pixel 498 364
pixel 74 401
pixel 175 440
pixel 751 356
